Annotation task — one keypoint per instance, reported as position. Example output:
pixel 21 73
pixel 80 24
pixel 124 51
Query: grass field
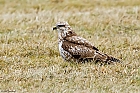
pixel 29 56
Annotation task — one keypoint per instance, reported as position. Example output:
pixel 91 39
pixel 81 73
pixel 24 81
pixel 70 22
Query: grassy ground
pixel 29 56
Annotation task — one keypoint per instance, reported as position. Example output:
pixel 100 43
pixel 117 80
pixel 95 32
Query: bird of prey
pixel 75 48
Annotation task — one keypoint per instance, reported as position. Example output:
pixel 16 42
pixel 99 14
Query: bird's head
pixel 61 26
pixel 64 29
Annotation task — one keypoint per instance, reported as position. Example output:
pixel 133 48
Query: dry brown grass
pixel 29 57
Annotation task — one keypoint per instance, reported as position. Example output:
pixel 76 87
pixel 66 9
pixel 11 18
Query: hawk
pixel 76 48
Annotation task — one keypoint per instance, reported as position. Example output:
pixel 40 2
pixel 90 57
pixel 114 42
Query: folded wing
pixel 80 41
pixel 78 51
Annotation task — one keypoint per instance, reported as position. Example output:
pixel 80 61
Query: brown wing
pixel 77 50
pixel 80 41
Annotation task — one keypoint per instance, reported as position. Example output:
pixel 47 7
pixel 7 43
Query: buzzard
pixel 75 48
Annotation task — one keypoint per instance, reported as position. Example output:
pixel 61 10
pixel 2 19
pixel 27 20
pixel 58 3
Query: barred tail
pixel 104 57
pixel 114 59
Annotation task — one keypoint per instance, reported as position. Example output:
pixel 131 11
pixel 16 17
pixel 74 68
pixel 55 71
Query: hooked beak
pixel 54 28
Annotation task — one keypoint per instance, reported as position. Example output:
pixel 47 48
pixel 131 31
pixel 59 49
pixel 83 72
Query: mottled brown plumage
pixel 74 47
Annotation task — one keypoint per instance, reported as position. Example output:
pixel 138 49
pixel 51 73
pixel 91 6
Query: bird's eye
pixel 70 32
pixel 61 25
